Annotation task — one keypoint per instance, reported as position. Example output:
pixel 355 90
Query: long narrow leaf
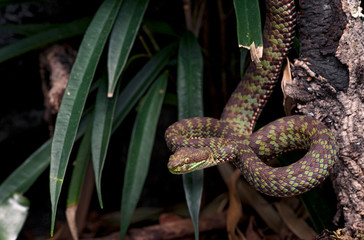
pixel 43 38
pixel 79 171
pixel 101 132
pixel 190 104
pixel 77 180
pixel 122 38
pixel 75 95
pixel 13 213
pixel 248 23
pixel 140 83
pixel 140 150
pixel 25 175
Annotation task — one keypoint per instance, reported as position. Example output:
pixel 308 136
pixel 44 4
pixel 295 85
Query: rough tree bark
pixel 328 85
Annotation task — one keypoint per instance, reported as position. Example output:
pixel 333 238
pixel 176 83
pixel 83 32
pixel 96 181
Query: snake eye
pixel 187 160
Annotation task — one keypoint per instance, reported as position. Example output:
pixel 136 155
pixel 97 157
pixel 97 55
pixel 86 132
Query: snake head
pixel 186 160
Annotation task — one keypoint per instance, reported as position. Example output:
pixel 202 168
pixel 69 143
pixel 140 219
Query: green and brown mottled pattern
pixel 253 91
pixel 282 135
pixel 219 143
pixel 198 143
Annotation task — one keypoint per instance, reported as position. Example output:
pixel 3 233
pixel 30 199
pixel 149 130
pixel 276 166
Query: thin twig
pixel 151 38
pixel 144 45
pixel 188 14
pixel 200 13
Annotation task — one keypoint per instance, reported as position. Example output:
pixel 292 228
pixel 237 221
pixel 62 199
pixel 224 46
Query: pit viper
pixel 203 142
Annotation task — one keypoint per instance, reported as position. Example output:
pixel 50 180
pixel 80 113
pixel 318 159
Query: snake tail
pixel 248 99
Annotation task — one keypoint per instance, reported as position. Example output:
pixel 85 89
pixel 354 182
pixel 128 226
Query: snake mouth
pixel 185 168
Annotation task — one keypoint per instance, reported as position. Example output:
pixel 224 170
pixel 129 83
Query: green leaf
pixel 79 170
pixel 101 132
pixel 75 188
pixel 43 38
pixel 243 54
pixel 13 213
pixel 190 104
pixel 189 78
pixel 74 99
pixel 140 150
pixel 249 28
pixel 26 174
pixel 140 83
pixel 122 38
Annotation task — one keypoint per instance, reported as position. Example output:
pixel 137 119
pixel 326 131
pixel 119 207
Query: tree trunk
pixel 328 85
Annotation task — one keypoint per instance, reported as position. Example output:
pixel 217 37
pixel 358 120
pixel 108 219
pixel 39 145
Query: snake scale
pixel 203 142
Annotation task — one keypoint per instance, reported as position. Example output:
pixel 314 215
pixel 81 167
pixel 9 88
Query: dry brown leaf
pixel 234 212
pixel 251 197
pixel 251 233
pixel 71 220
pixel 288 102
pixel 215 206
pixel 256 53
pixel 76 214
pixel 296 224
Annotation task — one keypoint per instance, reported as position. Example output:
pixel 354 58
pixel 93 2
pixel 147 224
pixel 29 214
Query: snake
pixel 202 142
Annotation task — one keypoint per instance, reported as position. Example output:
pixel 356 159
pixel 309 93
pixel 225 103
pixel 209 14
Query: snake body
pixel 198 143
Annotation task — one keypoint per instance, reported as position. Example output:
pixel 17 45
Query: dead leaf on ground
pixel 251 197
pixel 235 210
pixel 296 224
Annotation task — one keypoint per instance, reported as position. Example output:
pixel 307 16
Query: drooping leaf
pixel 25 175
pixel 122 38
pixel 189 78
pixel 190 104
pixel 59 32
pixel 13 213
pixel 140 83
pixel 75 95
pixel 248 23
pixel 140 150
pixel 79 170
pixel 101 132
pixel 77 180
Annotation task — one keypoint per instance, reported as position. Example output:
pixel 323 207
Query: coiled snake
pixel 199 142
